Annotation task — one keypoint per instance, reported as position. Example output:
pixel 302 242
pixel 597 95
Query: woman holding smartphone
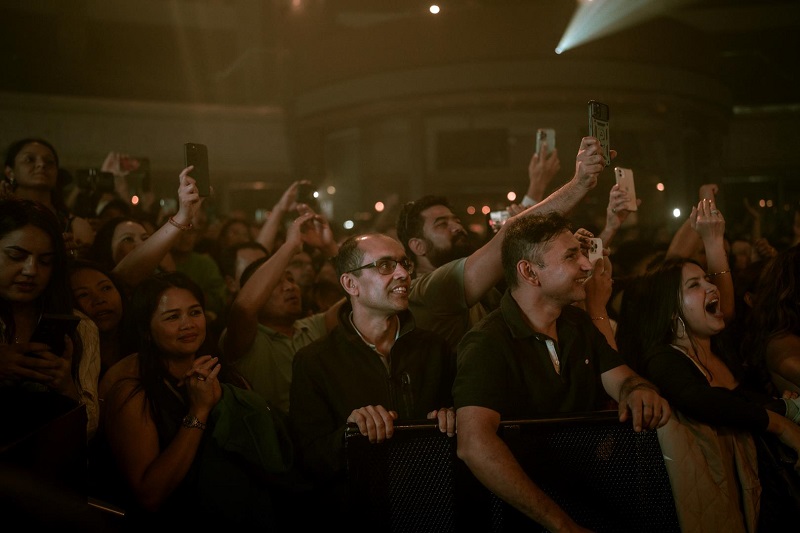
pixel 33 269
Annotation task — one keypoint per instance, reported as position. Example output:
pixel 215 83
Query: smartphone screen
pixel 624 178
pixel 547 135
pixel 497 219
pixel 598 126
pixel 196 154
pixel 51 330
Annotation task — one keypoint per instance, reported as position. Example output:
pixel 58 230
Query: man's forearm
pixel 632 383
pixel 499 471
pixel 564 199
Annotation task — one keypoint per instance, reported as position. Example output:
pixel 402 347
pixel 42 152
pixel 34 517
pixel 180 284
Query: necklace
pixel 695 360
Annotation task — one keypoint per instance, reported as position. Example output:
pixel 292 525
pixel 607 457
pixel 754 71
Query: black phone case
pixel 196 154
pixel 51 330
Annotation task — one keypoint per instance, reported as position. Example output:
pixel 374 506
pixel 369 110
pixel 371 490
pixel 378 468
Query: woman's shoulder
pixel 125 368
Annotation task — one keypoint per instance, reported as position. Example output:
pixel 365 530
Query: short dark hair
pixel 527 238
pixel 227 257
pixel 410 223
pixel 349 256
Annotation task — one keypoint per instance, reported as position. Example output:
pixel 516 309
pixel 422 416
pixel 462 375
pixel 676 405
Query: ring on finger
pixel 614 210
pixel 715 212
pixel 200 378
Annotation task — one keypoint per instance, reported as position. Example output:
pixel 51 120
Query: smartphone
pixel 51 330
pixel 625 180
pixel 497 219
pixel 547 135
pixel 196 154
pixel 595 249
pixel 305 194
pixel 598 127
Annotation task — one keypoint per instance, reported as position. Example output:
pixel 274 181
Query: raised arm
pixel 542 168
pixel 598 292
pixel 143 259
pixel 243 314
pixel 710 225
pixel 318 233
pixel 616 213
pixel 686 241
pixel 270 229
pixel 484 269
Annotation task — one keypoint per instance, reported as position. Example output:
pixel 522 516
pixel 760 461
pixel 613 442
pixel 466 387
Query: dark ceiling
pixel 245 52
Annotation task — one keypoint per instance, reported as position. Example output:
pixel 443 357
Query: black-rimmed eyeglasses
pixel 387 266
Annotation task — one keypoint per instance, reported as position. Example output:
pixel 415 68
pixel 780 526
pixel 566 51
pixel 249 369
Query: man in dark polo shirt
pixel 539 355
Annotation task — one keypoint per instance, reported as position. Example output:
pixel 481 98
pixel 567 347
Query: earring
pixel 680 328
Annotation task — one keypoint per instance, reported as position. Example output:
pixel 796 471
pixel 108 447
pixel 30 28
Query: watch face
pixel 192 422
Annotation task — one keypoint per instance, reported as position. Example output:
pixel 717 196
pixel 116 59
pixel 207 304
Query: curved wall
pixel 384 120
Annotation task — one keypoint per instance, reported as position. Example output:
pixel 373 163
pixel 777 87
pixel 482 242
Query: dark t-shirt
pixel 506 366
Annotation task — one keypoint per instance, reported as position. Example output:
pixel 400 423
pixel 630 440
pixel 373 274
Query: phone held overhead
pixel 546 135
pixel 598 127
pixel 624 177
pixel 196 155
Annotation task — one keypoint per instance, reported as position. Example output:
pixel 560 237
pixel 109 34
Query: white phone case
pixel 595 249
pixel 546 134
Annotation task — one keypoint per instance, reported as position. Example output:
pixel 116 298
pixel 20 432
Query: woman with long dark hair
pixel 33 281
pixel 158 403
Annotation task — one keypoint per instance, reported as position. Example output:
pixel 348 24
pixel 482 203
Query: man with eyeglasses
pixel 454 286
pixel 374 368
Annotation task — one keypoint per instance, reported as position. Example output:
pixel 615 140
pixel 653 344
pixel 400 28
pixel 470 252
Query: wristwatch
pixel 190 421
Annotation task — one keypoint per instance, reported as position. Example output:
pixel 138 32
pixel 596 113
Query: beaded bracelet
pixel 721 272
pixel 598 318
pixel 182 227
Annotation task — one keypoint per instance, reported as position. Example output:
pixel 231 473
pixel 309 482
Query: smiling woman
pixel 164 419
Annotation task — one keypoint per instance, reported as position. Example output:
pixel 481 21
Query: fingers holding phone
pixel 49 367
pixel 189 199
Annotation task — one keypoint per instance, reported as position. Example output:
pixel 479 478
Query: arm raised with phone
pixel 143 260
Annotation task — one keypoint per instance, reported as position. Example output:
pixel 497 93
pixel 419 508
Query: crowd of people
pixel 220 370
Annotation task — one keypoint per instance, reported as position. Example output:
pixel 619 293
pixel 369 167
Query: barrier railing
pixel 605 475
